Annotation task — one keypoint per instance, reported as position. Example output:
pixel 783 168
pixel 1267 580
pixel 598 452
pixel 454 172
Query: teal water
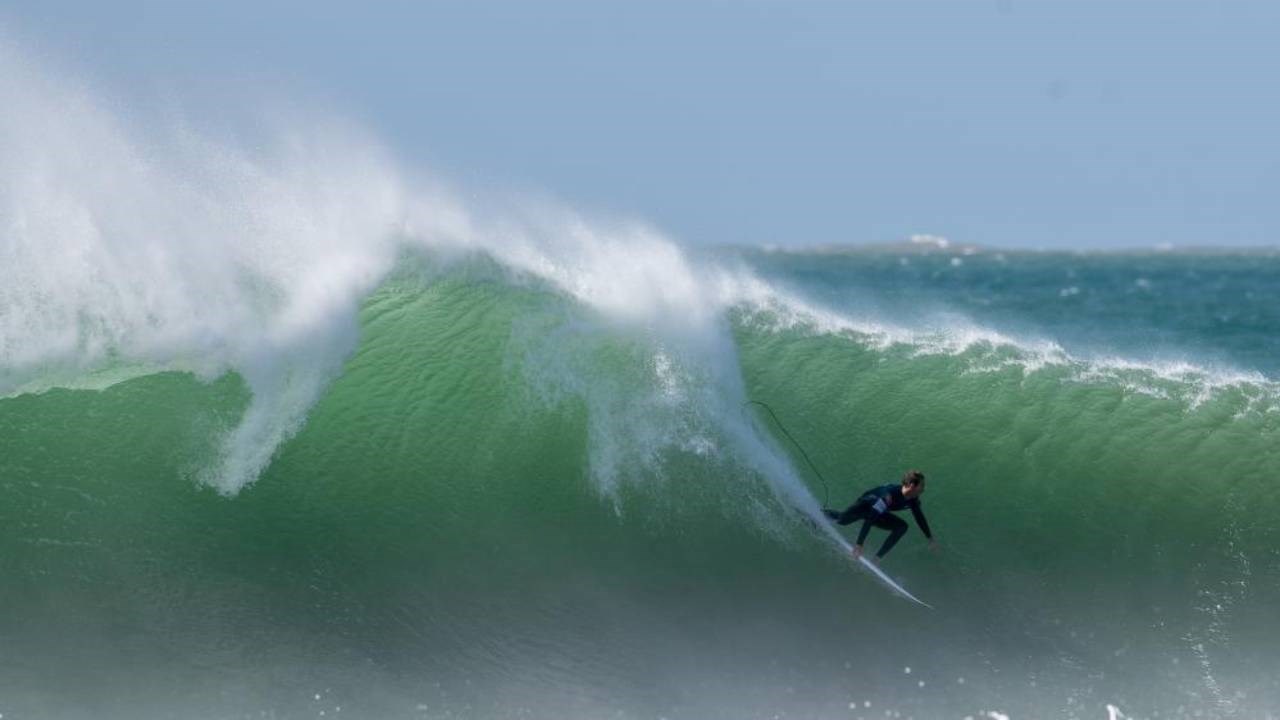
pixel 513 495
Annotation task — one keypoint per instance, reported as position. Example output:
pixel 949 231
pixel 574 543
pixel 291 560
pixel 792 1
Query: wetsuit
pixel 876 507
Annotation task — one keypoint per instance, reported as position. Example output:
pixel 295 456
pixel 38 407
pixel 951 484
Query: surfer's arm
pixel 918 514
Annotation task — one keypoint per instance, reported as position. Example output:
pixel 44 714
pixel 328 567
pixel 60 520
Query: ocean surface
pixel 526 490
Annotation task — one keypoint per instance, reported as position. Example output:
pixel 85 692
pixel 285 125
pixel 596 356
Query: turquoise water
pixel 494 489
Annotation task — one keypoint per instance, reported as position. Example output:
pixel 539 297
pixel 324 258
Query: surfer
pixel 876 507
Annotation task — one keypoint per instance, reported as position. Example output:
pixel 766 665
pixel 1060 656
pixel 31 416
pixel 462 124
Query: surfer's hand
pixel 934 547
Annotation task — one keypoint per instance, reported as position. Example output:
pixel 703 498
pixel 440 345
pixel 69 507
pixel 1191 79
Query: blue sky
pixel 1003 122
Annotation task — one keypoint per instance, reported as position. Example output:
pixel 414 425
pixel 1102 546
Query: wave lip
pixel 985 349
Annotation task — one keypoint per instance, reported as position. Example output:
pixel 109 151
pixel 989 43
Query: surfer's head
pixel 912 483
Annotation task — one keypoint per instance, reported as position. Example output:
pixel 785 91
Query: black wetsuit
pixel 876 507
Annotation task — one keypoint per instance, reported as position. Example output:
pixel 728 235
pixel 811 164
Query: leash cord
pixel 826 490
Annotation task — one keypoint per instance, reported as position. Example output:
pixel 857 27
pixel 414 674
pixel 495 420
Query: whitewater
pixel 288 429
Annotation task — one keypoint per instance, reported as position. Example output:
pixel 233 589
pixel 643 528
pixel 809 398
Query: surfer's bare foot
pixel 857 551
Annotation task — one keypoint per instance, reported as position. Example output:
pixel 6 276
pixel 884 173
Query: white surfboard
pixel 867 565
pixel 893 584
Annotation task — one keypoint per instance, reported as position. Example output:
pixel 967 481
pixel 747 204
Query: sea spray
pixel 126 248
pixel 145 250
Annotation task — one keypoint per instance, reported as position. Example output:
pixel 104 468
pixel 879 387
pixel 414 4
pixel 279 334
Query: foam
pixel 989 350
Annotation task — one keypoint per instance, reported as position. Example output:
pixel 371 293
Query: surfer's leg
pixel 854 512
pixel 896 526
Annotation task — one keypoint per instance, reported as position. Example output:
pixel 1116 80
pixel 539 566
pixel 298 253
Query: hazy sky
pixel 1020 124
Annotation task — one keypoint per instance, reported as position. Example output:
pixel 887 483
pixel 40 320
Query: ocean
pixel 534 487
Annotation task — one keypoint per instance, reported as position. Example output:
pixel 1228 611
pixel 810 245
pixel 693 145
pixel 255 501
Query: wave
pixel 173 250
pixel 501 470
pixel 131 253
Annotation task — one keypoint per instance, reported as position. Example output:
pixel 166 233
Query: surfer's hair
pixel 913 477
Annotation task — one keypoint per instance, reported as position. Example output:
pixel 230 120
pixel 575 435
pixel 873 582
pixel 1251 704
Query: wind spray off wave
pixel 130 250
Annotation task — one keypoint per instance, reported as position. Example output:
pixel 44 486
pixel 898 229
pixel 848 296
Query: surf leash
pixel 826 489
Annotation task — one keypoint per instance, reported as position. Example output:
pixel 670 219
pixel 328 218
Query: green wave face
pixel 509 504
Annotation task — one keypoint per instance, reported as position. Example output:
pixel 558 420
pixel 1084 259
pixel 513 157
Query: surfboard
pixel 876 572
pixel 883 577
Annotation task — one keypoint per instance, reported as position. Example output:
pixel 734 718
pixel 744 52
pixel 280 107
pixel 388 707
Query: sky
pixel 1004 123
